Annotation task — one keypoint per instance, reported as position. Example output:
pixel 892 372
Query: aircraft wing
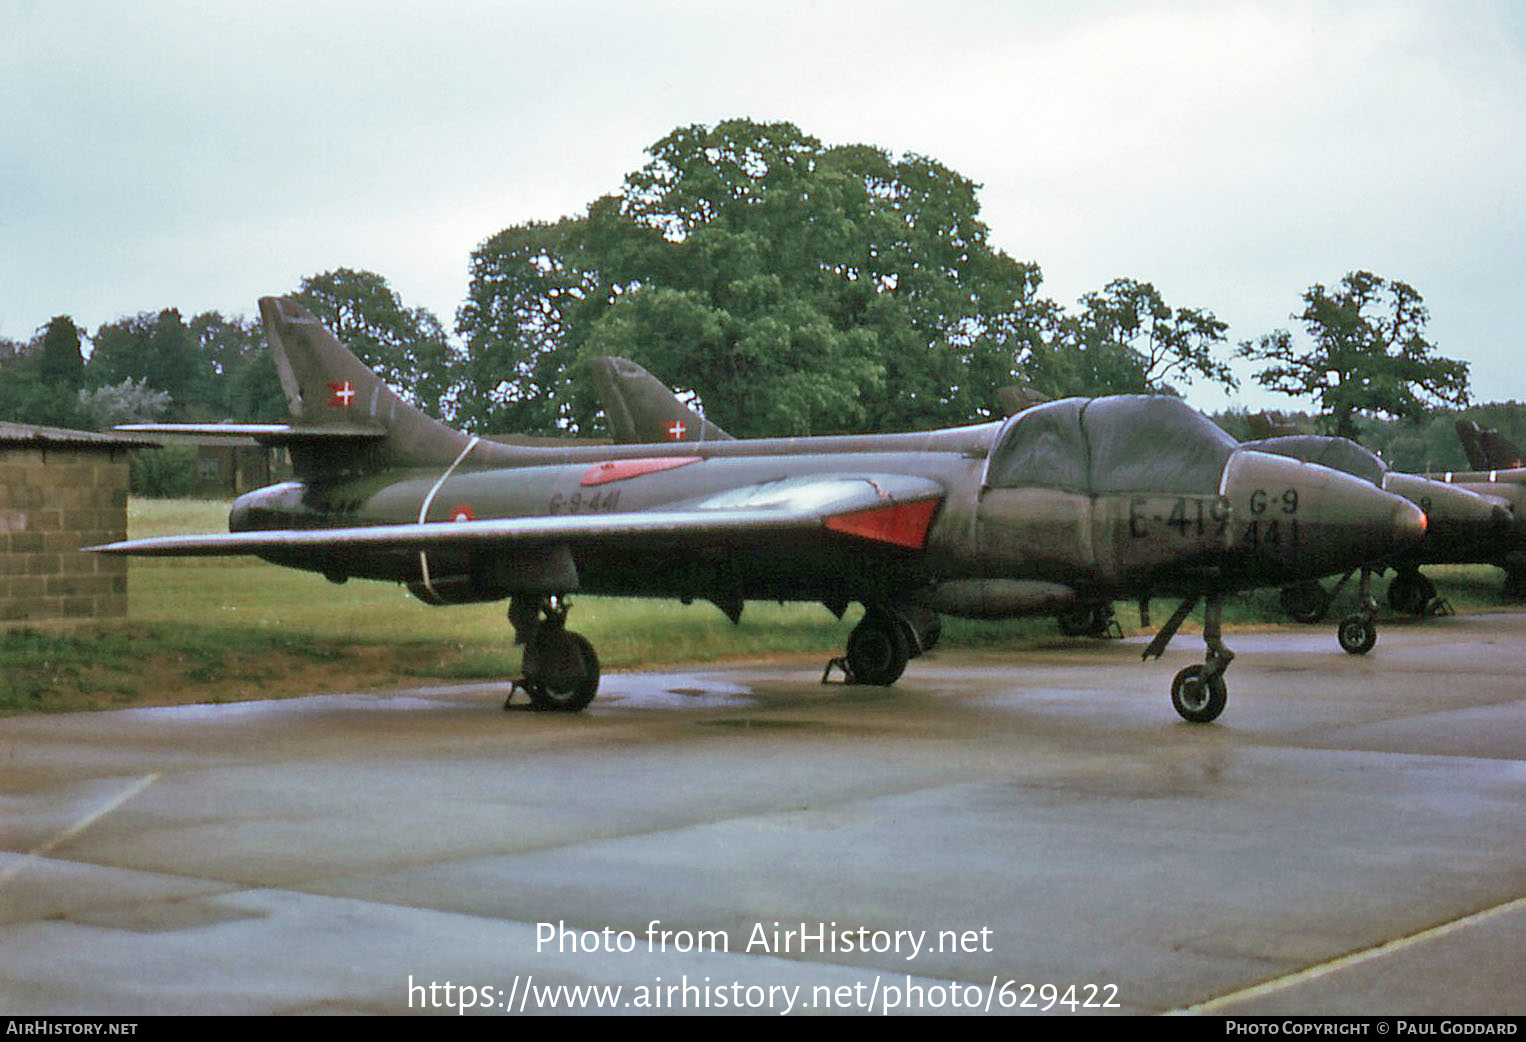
pixel 893 509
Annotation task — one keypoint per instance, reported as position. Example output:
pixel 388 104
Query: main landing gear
pixel 1093 619
pixel 1306 602
pixel 1411 593
pixel 1198 693
pixel 883 642
pixel 561 669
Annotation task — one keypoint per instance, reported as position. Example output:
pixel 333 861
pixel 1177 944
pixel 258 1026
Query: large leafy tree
pixel 533 295
pixel 796 288
pixel 1367 354
pixel 406 346
pixel 1127 339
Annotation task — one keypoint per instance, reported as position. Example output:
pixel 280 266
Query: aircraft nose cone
pixel 1408 524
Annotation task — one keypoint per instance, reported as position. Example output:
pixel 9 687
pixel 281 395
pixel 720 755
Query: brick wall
pixel 54 500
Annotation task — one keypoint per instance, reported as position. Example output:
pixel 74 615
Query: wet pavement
pixel 999 831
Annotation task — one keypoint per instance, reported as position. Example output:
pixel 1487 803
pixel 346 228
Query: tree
pixel 532 299
pixel 244 384
pixel 1369 355
pixel 59 361
pixel 795 288
pixel 157 349
pixel 406 346
pixel 1128 340
pixel 39 381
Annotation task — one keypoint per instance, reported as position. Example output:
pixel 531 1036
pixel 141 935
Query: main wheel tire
pixel 1305 603
pixel 1410 593
pixel 1086 620
pixel 1357 634
pixel 877 651
pixel 1196 700
pixel 561 671
pixel 925 627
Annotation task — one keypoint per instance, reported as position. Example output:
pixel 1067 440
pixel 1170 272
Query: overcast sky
pixel 199 155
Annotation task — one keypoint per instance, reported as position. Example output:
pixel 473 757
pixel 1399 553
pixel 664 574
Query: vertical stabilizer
pixel 329 389
pixel 640 408
pixel 1469 434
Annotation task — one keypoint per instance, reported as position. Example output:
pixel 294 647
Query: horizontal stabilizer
pixel 264 433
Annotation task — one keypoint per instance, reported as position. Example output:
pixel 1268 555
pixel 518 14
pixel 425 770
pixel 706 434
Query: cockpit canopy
pixel 1123 443
pixel 1340 454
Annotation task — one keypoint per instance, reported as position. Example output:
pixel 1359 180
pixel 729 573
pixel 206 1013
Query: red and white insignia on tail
pixel 342 394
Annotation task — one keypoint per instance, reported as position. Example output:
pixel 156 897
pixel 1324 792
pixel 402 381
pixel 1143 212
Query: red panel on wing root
pixel 620 469
pixel 904 524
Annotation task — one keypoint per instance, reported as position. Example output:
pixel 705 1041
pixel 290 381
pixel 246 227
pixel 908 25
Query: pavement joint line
pixel 79 826
pixel 1355 958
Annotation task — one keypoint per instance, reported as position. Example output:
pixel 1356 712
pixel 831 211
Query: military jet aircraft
pixel 1074 500
pixel 1507 486
pixel 1463 527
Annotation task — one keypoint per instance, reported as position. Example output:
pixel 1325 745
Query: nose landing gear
pixel 1198 693
pixel 1358 633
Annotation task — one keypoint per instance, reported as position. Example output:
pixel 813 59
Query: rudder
pixel 329 390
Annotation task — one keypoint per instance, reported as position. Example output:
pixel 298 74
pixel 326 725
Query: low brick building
pixel 61 490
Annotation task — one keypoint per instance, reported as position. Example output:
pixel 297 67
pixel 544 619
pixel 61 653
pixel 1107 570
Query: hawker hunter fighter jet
pixel 1462 527
pixel 1498 474
pixel 1078 500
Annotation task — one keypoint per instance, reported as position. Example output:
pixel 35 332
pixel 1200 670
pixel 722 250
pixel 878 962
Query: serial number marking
pixel 1260 500
pixel 581 503
pixel 1279 530
pixel 1189 519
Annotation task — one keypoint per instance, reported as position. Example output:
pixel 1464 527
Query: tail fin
pixel 342 414
pixel 1471 437
pixel 641 409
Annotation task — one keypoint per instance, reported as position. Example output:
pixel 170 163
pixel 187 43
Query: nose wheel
pixel 1198 697
pixel 1358 633
pixel 1198 693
